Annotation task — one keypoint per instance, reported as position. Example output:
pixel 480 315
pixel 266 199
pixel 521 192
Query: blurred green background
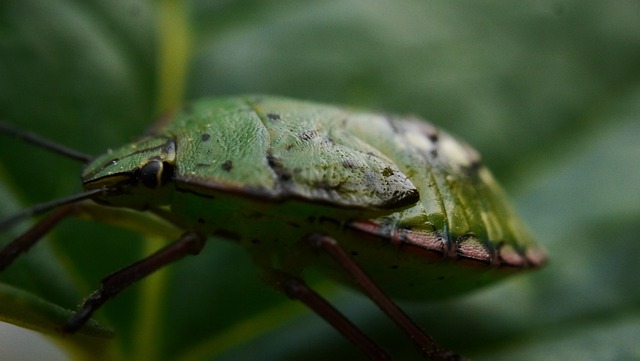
pixel 547 91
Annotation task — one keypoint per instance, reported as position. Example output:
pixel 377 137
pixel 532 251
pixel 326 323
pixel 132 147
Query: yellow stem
pixel 174 50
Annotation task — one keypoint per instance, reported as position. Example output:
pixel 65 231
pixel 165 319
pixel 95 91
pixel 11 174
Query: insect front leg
pixel 190 243
pixel 426 345
pixel 23 243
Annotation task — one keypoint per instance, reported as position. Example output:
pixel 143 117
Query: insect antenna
pixel 43 207
pixel 43 143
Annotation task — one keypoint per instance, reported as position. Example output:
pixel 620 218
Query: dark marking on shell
pixel 205 137
pixel 373 154
pixel 308 135
pixel 432 134
pixel 354 253
pixel 278 168
pixel 256 241
pixel 272 116
pixel 473 168
pixel 227 165
pixel 387 172
pixel 350 164
pixel 475 162
pixel 395 266
pixel 289 146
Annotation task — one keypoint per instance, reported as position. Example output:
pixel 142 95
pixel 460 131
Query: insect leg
pixel 296 288
pixel 22 244
pixel 426 345
pixel 190 243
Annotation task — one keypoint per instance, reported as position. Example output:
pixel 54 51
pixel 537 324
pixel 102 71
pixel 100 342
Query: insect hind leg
pixel 190 243
pixel 426 345
pixel 297 289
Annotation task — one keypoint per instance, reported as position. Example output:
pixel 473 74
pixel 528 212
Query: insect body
pixel 408 204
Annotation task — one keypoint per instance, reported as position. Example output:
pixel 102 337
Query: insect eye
pixel 151 174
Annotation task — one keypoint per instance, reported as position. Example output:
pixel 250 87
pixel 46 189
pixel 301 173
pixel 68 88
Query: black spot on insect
pixel 387 172
pixel 308 135
pixel 395 266
pixel 293 224
pixel 432 134
pixel 354 253
pixel 201 221
pixel 278 168
pixel 203 165
pixel 255 241
pixel 227 165
pixel 272 116
pixel 350 164
pixel 472 169
pixel 205 137
pixel 373 155
pixel 474 163
pixel 434 153
pixel 441 278
pixel 311 219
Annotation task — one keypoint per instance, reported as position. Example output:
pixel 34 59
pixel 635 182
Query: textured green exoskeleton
pixel 414 207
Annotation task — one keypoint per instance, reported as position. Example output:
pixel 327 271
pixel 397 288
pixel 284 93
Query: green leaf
pixel 23 309
pixel 548 91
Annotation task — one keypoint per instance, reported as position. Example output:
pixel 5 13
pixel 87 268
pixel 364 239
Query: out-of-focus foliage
pixel 548 91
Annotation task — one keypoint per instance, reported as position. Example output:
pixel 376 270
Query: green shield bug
pixel 389 205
